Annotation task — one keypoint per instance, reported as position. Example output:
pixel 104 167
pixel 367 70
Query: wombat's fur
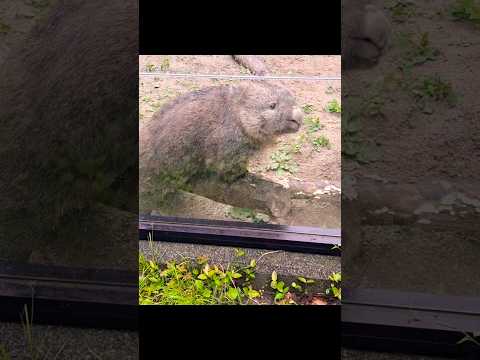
pixel 365 33
pixel 68 135
pixel 211 133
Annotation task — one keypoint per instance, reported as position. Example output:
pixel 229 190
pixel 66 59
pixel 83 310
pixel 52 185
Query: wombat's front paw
pixel 279 208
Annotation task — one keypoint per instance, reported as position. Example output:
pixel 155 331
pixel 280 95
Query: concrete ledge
pixel 287 264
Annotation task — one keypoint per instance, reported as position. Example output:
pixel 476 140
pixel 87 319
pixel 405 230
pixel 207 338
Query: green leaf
pixel 253 294
pixel 202 277
pixel 280 285
pixel 274 276
pixel 232 293
pixel 253 263
pixel 199 284
pixel 236 275
pixel 302 279
pixel 279 296
pixel 336 277
pixel 239 252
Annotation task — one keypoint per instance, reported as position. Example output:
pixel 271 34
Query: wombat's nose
pixel 297 115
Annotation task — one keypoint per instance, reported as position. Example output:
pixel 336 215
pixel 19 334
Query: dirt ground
pixel 321 166
pixel 417 138
pixel 16 19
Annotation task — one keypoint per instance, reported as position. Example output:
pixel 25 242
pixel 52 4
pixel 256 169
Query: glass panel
pixel 410 175
pixel 68 144
pixel 230 148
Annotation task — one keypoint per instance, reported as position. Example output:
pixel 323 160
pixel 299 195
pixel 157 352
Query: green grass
pixel 150 67
pixel 297 145
pixel 433 88
pixel 282 162
pixel 417 49
pixel 355 147
pixel 401 10
pixel 165 65
pixel 320 142
pixel 195 282
pixel 473 338
pixel 4 28
pixel 308 108
pixel 199 282
pixel 335 288
pixel 39 4
pixel 466 10
pixel 313 124
pixel 245 214
pixel 333 107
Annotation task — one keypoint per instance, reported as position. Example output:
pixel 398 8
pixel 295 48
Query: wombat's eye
pixel 273 105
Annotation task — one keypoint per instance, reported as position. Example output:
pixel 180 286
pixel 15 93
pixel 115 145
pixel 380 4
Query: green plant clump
pixel 245 214
pixel 313 124
pixel 150 67
pixel 435 89
pixel 195 283
pixel 282 162
pixel 335 288
pixel 320 143
pixel 418 50
pixel 308 109
pixel 401 10
pixel 333 107
pixel 467 10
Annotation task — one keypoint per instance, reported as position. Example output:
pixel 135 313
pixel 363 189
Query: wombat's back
pixel 181 134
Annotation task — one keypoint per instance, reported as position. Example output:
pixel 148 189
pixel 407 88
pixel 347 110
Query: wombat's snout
pixel 296 119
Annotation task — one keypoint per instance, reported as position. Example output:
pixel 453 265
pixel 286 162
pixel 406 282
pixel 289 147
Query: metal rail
pixel 69 296
pixel 240 234
pixel 241 77
pixel 399 321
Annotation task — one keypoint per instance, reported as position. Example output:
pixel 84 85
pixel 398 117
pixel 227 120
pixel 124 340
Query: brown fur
pixel 212 133
pixel 365 33
pixel 68 96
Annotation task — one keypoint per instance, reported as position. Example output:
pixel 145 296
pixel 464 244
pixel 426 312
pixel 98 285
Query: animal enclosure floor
pixel 419 135
pixel 311 164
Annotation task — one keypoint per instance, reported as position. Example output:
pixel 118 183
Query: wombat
pixel 208 136
pixel 365 34
pixel 69 129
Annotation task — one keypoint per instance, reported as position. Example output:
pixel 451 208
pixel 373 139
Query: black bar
pixel 70 313
pixel 100 298
pixel 392 339
pixel 395 321
pixel 240 234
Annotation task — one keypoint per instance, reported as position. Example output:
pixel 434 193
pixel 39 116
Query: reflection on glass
pixel 409 143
